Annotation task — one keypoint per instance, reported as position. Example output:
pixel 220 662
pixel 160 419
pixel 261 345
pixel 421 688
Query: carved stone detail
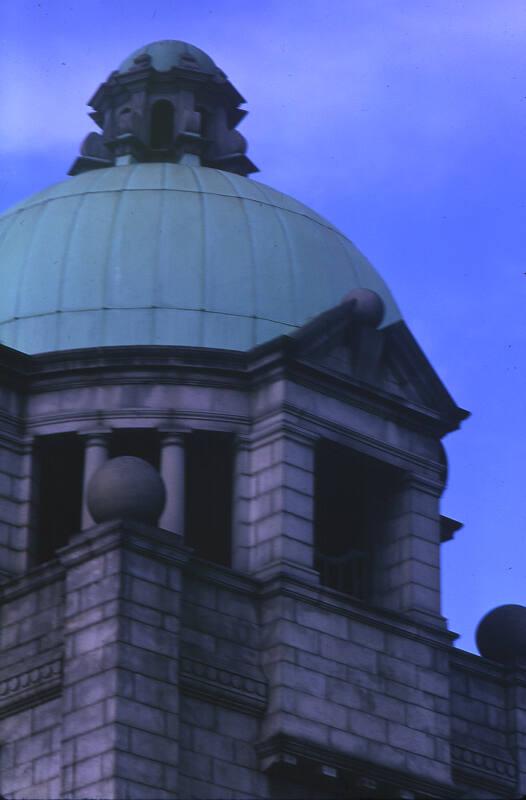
pixel 227 686
pixel 25 688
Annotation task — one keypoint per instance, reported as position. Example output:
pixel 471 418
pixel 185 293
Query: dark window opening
pixel 353 496
pixel 140 442
pixel 209 486
pixel 162 125
pixel 58 468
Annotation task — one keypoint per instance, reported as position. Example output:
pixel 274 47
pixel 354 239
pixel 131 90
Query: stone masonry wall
pixel 31 635
pixel 353 682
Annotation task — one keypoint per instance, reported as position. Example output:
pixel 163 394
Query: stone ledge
pixel 222 684
pixel 40 680
pixel 333 771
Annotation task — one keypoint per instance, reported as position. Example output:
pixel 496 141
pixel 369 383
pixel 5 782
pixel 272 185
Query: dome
pixel 170 53
pixel 169 254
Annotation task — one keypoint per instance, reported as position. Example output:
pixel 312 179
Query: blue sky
pixel 404 123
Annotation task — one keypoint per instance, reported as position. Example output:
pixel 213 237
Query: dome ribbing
pixel 169 254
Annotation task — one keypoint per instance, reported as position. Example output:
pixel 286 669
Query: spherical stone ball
pixel 501 634
pixel 367 306
pixel 126 488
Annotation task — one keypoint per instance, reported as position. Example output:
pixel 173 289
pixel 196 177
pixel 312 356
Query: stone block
pixel 86 719
pixel 15 727
pixel 368 726
pixel 138 715
pixel 156 693
pixel 19 609
pixel 320 710
pixel 33 747
pixel 328 622
pixel 81 575
pixel 88 771
pixel 349 743
pixel 233 776
pixel 487 691
pixel 148 637
pixel 366 635
pixel 345 693
pixel 17 779
pixel 294 726
pixel 199 712
pixel 410 650
pixel 96 636
pixel 410 695
pixel 291 634
pixel 410 739
pixel 245 755
pixel 433 683
pixel 99 741
pixel 348 653
pixel 423 719
pixel 237 725
pixel 300 678
pixel 316 663
pixel 396 670
pixel 145 568
pixel 46 715
pixel 284 548
pixel 135 611
pixel 213 744
pixel 149 745
pixel 292 501
pixel 77 621
pixel 95 594
pixel 195 765
pixel 142 770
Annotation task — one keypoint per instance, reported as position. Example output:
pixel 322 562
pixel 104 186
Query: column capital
pixel 95 436
pixel 172 436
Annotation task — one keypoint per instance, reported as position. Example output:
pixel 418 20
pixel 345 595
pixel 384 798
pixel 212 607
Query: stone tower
pixel 220 479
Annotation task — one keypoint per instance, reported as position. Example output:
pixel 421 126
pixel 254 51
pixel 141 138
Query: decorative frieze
pixel 469 760
pixel 41 678
pixel 235 688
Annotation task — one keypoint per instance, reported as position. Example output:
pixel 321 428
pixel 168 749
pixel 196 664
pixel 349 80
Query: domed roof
pixel 171 53
pixel 169 254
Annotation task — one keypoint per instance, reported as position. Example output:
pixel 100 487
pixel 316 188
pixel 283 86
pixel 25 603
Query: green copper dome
pixel 170 254
pixel 170 53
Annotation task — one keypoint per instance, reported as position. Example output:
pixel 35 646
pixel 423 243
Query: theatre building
pixel 220 479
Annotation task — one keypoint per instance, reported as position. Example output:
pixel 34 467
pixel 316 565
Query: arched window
pixel 162 125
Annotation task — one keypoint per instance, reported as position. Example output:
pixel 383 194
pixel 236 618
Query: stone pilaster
pixel 241 504
pixel 173 474
pixel 120 733
pixel 280 509
pixel 408 560
pixel 96 444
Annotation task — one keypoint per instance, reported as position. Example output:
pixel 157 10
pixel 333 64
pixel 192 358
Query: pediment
pixel 389 359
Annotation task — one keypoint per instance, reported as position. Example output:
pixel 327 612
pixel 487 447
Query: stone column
pixel 173 475
pixel 95 455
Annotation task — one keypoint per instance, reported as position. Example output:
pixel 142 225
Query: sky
pixel 401 121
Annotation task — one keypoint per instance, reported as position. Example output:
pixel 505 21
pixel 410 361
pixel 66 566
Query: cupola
pixel 167 102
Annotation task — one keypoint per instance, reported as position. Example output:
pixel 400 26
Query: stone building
pixel 263 622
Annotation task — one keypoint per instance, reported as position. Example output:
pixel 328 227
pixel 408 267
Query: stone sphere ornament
pixel 126 487
pixel 501 634
pixel 367 306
